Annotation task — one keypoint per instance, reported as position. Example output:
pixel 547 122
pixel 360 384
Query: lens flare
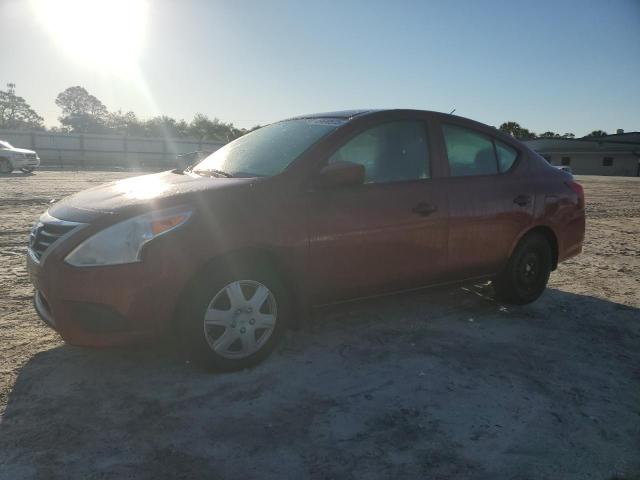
pixel 101 34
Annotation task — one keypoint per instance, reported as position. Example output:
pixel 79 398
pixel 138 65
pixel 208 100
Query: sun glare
pixel 102 34
pixel 142 188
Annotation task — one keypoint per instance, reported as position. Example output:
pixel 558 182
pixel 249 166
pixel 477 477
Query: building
pixel 617 154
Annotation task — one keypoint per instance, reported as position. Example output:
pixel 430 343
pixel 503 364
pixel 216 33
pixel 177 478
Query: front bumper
pixel 42 307
pixel 26 162
pixel 106 306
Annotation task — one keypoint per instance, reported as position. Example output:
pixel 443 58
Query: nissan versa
pixel 307 211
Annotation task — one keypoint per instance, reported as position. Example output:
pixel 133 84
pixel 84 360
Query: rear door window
pixel 506 155
pixel 469 153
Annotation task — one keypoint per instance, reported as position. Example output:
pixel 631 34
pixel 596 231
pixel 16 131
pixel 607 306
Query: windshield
pixel 4 144
pixel 268 150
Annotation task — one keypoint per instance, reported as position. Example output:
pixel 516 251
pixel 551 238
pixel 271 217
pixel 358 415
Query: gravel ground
pixel 438 384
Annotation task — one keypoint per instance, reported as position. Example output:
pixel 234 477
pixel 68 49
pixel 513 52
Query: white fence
pixel 79 151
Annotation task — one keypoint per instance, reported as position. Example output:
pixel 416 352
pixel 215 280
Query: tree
pixel 549 135
pixel 15 112
pixel 202 127
pixel 81 111
pixel 568 135
pixel 125 124
pixel 515 130
pixel 165 127
pixel 598 133
pixel 181 128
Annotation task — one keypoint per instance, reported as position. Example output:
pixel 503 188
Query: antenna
pixel 452 111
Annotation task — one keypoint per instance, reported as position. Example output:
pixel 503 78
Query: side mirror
pixel 341 174
pixel 183 161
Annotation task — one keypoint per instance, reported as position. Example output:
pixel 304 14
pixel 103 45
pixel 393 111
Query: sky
pixel 564 66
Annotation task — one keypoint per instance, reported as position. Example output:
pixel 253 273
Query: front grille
pixel 46 232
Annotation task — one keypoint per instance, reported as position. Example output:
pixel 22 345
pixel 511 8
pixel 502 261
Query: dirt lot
pixel 439 384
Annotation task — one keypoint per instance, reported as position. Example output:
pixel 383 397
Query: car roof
pixel 349 115
pixel 343 114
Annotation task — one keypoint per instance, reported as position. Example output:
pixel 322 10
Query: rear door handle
pixel 424 209
pixel 522 200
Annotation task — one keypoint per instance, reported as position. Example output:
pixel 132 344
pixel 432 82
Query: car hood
pixel 20 150
pixel 155 190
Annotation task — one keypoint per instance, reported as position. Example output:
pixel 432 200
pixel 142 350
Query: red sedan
pixel 307 211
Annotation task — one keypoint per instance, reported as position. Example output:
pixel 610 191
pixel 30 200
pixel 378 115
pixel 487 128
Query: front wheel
pixel 527 272
pixel 232 322
pixel 5 166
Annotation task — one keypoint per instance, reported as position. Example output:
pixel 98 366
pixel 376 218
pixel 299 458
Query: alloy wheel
pixel 240 319
pixel 529 271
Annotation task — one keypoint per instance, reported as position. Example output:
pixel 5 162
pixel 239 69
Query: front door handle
pixel 522 200
pixel 424 209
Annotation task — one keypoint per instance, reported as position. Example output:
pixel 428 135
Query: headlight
pixel 123 242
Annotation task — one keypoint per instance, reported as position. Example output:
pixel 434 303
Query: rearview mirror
pixel 341 174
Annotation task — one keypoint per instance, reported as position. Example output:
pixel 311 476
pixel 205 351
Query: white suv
pixel 12 158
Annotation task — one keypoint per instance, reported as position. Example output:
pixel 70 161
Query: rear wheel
pixel 233 321
pixel 5 166
pixel 527 272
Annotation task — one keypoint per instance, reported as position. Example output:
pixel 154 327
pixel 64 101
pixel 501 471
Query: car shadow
pixel 17 174
pixel 447 383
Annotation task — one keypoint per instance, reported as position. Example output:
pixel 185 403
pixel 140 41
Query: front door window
pixel 391 152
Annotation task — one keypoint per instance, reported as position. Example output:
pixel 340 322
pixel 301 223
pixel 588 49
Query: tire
pixel 5 166
pixel 527 272
pixel 214 308
pixel 27 170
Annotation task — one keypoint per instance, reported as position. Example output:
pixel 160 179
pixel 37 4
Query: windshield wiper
pixel 213 172
pixel 247 175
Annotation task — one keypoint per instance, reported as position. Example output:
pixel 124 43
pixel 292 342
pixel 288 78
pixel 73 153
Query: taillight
pixel 577 188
